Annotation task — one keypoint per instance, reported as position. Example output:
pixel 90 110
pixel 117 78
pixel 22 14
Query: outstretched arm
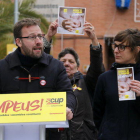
pixel 52 30
pixel 90 31
pixel 96 65
pixel 48 38
pixel 99 102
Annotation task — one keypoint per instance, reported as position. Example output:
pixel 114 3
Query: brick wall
pixel 106 18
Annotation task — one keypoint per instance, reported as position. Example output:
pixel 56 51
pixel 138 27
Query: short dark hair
pixel 22 23
pixel 132 39
pixel 130 36
pixel 69 51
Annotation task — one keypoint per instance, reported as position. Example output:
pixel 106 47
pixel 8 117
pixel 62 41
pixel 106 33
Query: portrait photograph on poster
pixel 71 20
pixel 125 76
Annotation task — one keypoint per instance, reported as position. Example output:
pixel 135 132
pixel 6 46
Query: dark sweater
pixel 116 120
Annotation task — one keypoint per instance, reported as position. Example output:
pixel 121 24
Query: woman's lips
pixel 117 57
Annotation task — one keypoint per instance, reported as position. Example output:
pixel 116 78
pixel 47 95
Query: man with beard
pixel 28 69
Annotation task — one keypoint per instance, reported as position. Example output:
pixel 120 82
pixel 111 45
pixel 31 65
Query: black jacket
pixel 116 120
pixel 82 126
pixel 47 68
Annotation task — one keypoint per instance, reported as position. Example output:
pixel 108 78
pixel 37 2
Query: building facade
pixel 107 19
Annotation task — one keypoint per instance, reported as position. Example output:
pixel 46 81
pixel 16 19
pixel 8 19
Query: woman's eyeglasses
pixel 120 47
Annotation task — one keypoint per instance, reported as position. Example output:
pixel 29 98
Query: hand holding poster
pixel 71 20
pixel 125 75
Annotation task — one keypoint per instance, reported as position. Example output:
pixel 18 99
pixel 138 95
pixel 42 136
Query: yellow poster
pixel 32 107
pixel 11 48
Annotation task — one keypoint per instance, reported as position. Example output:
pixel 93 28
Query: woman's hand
pixel 90 30
pixel 135 86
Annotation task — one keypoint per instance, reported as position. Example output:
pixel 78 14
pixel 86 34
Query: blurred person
pixel 82 125
pixel 19 69
pixel 119 120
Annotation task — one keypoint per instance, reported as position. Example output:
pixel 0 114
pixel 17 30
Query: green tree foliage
pixel 25 9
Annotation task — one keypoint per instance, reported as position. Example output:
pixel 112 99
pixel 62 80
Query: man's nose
pixel 38 40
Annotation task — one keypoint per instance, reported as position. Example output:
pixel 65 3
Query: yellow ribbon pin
pixel 75 87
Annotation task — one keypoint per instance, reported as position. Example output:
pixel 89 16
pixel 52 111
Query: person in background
pixel 82 125
pixel 28 69
pixel 119 120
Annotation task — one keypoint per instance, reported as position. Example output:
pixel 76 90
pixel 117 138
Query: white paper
pixel 71 20
pixel 125 76
pixel 63 124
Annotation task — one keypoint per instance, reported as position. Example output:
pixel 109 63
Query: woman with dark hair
pixel 119 120
pixel 82 125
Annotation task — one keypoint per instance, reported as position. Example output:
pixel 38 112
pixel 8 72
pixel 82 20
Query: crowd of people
pixel 93 107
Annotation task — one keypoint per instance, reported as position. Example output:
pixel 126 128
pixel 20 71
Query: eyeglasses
pixel 33 37
pixel 120 47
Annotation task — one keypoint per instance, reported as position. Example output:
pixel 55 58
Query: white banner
pixel 48 8
pixel 137 11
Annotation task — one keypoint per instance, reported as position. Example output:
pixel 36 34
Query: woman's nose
pixel 116 49
pixel 66 63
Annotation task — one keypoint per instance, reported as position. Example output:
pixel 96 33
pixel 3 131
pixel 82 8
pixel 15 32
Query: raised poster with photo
pixel 124 76
pixel 71 20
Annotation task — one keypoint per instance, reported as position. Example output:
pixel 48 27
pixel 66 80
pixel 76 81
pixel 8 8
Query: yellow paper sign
pixel 11 48
pixel 77 11
pixel 32 107
pixel 123 71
